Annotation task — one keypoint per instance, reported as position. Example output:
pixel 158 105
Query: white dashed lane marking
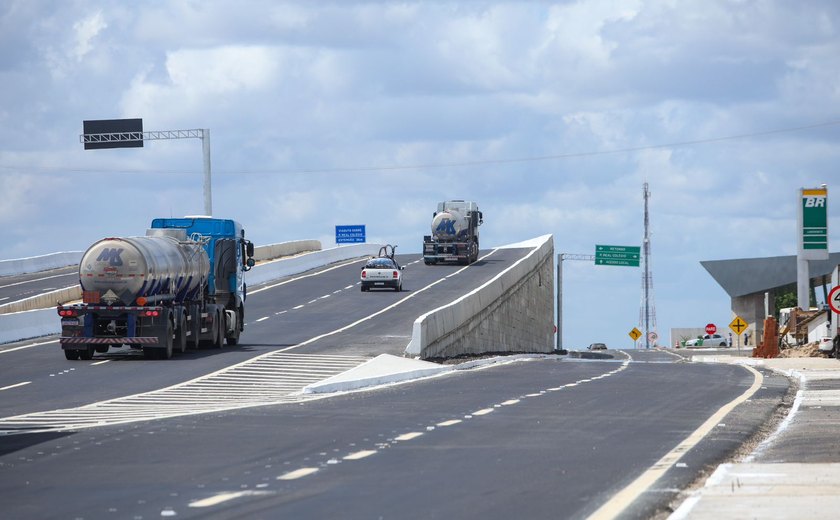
pixel 298 473
pixel 405 437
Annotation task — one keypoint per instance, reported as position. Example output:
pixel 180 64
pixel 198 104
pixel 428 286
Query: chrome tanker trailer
pixel 454 233
pixel 179 285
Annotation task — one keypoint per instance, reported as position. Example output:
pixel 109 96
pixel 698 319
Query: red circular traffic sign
pixel 710 328
pixel 834 299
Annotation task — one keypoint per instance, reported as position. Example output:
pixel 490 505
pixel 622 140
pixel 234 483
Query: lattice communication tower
pixel 647 309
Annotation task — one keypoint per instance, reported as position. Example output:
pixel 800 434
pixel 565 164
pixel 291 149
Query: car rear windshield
pixel 379 263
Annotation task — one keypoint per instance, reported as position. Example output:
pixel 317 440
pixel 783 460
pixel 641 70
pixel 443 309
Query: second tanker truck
pixel 454 235
pixel 181 284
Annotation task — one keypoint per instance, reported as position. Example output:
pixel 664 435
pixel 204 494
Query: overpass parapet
pixel 511 313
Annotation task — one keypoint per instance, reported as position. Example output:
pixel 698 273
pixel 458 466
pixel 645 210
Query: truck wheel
pixel 87 353
pixel 165 341
pixel 181 337
pixel 71 355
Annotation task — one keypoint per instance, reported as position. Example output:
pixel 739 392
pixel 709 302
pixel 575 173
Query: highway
pixel 225 433
pixel 18 287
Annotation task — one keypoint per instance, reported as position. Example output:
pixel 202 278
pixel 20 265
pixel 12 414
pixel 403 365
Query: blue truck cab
pixel 229 253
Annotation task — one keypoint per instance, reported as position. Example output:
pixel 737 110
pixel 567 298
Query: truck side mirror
pixel 249 248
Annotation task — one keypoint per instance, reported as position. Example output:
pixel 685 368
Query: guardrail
pixel 513 312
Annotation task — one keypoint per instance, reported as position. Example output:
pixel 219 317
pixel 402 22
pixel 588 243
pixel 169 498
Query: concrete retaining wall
pixel 34 264
pixel 513 312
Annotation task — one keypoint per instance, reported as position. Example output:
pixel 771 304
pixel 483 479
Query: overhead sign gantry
pixel 128 133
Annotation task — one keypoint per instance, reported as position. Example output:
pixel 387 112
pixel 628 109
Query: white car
pixel 708 340
pixel 380 273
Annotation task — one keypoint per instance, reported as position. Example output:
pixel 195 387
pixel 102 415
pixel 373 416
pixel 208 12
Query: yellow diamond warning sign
pixel 738 325
pixel 635 333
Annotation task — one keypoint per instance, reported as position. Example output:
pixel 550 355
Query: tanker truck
pixel 180 285
pixel 454 235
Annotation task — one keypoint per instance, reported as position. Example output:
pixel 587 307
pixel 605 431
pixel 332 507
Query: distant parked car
pixel 597 346
pixel 708 340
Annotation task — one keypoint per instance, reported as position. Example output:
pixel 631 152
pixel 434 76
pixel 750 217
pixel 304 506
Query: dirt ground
pixel 808 350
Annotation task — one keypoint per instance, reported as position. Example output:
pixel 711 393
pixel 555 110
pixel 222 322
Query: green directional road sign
pixel 617 255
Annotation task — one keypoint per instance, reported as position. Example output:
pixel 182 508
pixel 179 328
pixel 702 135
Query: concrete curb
pixel 382 369
pixel 387 369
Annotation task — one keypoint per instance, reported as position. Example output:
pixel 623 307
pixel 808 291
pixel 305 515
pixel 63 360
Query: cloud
pixel 550 115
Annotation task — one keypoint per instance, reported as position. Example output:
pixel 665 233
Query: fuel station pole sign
pixel 813 224
pixel 812 237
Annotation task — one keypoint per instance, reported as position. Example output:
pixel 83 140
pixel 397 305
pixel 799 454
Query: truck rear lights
pixel 152 313
pixel 67 312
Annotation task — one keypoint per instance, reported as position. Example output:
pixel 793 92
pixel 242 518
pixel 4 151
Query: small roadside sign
pixel 738 325
pixel 635 334
pixel 834 299
pixel 350 234
pixel 652 336
pixel 711 328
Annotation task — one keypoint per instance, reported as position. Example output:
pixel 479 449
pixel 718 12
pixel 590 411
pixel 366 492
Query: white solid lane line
pixel 15 386
pixel 28 346
pixel 100 362
pixel 621 500
pixel 262 319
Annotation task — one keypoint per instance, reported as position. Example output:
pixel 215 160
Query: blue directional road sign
pixel 350 234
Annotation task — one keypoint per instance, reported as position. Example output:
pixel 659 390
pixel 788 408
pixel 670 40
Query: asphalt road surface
pixel 550 437
pixel 18 287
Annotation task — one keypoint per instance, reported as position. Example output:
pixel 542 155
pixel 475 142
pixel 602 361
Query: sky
pixel 550 115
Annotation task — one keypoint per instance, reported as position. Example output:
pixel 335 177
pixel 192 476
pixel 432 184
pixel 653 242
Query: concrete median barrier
pixel 281 249
pixel 513 312
pixel 50 299
pixel 35 264
pixel 18 326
